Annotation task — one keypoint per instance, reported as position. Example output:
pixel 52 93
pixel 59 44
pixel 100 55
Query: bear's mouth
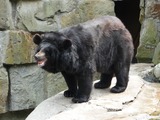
pixel 41 62
pixel 41 59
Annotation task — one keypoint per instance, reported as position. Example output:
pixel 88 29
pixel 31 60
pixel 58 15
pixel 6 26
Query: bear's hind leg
pixel 105 81
pixel 122 80
pixel 71 83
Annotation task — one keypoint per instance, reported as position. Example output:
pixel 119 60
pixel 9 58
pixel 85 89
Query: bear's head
pixel 50 45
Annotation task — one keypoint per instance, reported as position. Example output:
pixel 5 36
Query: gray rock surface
pixel 156 71
pixel 156 57
pixel 30 85
pixel 148 40
pixel 4 82
pixel 49 15
pixel 6 21
pixel 16 47
pixel 141 101
pixel 27 87
pixel 148 50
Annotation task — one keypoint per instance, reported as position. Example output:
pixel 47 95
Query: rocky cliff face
pixel 22 84
pixel 149 50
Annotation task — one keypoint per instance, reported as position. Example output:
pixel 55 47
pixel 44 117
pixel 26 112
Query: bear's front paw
pixel 80 99
pixel 117 89
pixel 69 93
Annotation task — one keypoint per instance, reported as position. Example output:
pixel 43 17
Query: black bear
pixel 103 45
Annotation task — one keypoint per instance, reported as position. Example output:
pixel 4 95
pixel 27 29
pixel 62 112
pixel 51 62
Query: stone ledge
pixel 139 101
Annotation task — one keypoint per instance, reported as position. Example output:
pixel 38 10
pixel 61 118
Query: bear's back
pixel 106 38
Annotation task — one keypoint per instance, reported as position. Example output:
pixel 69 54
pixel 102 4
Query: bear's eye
pixel 48 51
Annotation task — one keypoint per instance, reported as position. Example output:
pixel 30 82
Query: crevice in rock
pixel 14 6
pixel 15 115
pixel 109 108
pixel 113 110
pixel 9 86
pixel 14 10
pixel 16 16
pixel 58 12
pixel 128 102
pixel 2 29
pixel 44 19
pixel 131 101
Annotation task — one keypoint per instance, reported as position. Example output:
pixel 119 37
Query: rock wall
pixel 149 48
pixel 22 84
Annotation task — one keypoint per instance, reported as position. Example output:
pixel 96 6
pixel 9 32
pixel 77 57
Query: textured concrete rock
pixel 30 85
pixel 148 41
pixel 54 83
pixel 142 11
pixel 3 46
pixel 42 15
pixel 27 19
pixel 152 9
pixel 102 103
pixel 16 47
pixel 148 50
pixel 156 71
pixel 4 88
pixel 156 57
pixel 87 9
pixel 26 87
pixel 52 7
pixel 140 101
pixel 56 14
pixel 6 15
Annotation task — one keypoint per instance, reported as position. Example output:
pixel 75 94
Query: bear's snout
pixel 39 55
pixel 40 58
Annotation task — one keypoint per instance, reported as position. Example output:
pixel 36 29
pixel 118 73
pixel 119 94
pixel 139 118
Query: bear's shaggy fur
pixel 102 45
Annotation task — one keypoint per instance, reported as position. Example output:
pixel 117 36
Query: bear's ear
pixel 66 44
pixel 37 39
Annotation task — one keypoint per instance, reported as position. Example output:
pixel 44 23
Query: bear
pixel 101 44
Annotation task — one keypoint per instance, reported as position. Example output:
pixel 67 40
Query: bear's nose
pixel 40 55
